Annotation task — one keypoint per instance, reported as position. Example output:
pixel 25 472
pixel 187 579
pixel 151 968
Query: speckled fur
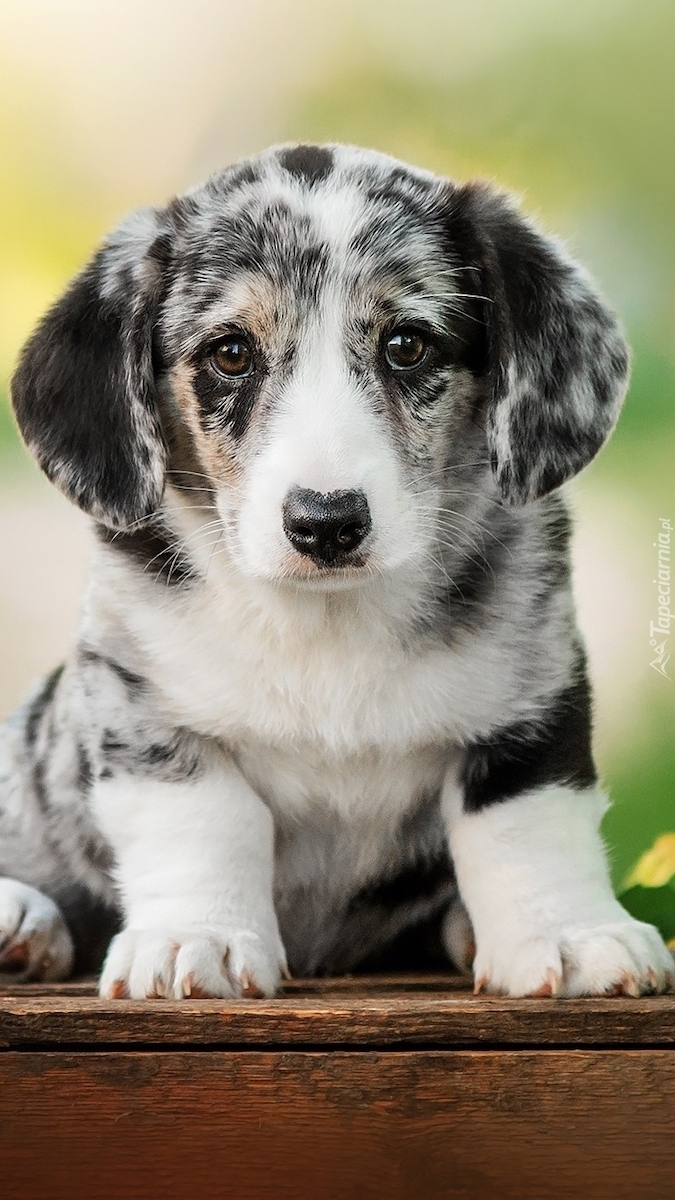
pixel 257 758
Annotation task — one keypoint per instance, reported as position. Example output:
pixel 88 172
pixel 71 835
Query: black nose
pixel 325 527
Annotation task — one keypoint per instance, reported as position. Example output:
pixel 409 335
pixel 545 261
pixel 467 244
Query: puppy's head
pixel 325 343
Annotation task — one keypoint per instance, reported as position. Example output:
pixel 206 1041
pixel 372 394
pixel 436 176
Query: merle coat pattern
pixel 328 705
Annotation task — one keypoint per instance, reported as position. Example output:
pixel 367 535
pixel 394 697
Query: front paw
pixel 192 964
pixel 625 957
pixel 34 939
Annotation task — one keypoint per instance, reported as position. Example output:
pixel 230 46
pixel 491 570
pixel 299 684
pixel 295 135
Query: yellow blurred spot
pixel 657 865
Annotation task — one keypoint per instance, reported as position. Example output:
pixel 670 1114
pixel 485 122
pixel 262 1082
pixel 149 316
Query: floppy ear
pixel 557 360
pixel 84 392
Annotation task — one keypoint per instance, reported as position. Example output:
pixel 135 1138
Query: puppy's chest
pixel 372 789
pixel 341 689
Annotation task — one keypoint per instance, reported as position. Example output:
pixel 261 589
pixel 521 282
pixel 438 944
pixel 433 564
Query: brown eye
pixel 233 356
pixel 405 348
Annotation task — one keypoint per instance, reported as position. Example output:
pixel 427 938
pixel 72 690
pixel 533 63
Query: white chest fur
pixel 321 697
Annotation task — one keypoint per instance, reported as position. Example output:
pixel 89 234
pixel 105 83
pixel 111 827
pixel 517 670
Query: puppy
pixel 328 706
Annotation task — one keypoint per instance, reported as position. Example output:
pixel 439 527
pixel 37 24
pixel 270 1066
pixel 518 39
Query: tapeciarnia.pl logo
pixel 661 625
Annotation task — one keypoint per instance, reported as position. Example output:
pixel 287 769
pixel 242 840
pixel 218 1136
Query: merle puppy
pixel 328 701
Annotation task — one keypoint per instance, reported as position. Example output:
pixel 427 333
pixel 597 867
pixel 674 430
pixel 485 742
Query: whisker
pixel 178 547
pixel 441 515
pixel 178 552
pixel 485 530
pixel 182 471
pixel 478 462
pixel 186 487
pixel 165 510
pixel 428 557
pixel 213 550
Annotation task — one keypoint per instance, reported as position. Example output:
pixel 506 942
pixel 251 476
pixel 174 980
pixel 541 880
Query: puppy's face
pixel 325 345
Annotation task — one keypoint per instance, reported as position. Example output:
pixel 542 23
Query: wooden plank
pixel 363 1126
pixel 377 985
pixel 354 1012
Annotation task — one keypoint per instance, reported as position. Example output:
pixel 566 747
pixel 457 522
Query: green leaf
pixel 657 865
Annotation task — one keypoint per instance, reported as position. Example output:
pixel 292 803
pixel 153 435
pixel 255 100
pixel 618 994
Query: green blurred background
pixel 104 106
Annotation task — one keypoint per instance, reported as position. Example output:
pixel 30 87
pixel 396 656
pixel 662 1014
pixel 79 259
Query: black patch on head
pixel 526 756
pixel 311 164
pixel 151 549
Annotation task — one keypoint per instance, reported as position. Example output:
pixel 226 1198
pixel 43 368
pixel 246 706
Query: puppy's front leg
pixel 195 872
pixel 532 873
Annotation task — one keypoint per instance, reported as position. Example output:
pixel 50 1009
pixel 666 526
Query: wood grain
pixel 367 1088
pixel 364 1126
pixel 377 1011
